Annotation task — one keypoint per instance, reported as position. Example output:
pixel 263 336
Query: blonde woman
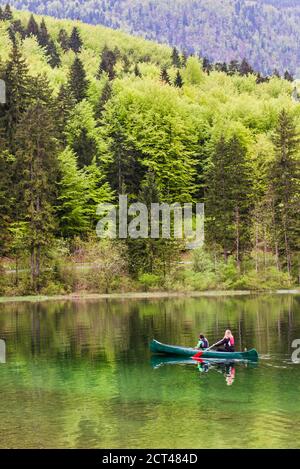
pixel 227 343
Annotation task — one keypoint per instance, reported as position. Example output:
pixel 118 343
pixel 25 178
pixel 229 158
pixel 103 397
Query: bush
pixel 202 261
pixel 149 281
pixel 200 280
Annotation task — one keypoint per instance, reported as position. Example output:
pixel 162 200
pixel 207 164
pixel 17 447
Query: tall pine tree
pixel 77 81
pixel 285 188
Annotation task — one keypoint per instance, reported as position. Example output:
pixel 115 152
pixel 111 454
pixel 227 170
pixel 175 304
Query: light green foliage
pixel 193 73
pixel 163 127
pixel 202 261
pixel 81 190
pixel 82 134
pixel 149 281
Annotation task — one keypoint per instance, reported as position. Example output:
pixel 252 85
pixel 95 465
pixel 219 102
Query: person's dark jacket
pixel 226 344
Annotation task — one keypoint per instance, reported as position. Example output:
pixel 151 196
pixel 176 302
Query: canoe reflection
pixel 226 367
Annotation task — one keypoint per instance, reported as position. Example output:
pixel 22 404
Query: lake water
pixel 80 375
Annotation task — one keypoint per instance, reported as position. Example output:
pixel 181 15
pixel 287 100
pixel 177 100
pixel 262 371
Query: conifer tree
pixel 288 76
pixel 8 15
pixel 105 96
pixel 6 196
pixel 64 104
pixel 37 155
pixel 285 187
pixel 1 14
pixel 64 40
pixel 233 67
pixel 77 80
pixel 164 76
pixel 245 68
pixel 32 27
pixel 54 58
pixel 206 65
pixel 126 64
pixel 43 36
pixel 107 64
pixel 137 71
pixel 75 40
pixel 228 198
pixel 18 90
pixel 184 57
pixel 15 28
pixel 175 56
pixel 178 80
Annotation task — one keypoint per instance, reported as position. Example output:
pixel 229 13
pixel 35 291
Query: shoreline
pixel 142 295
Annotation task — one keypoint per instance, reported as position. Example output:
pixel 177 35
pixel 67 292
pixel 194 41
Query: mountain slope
pixel 266 32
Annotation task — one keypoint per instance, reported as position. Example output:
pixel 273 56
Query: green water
pixel 80 375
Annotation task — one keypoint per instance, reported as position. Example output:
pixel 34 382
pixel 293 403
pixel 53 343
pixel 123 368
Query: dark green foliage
pixel 64 104
pixel 137 71
pixel 164 76
pixel 228 198
pixel 151 255
pixel 15 28
pixel 126 64
pixel 233 67
pixel 77 80
pixel 178 80
pixel 32 27
pixel 48 44
pixel 17 94
pixel 64 40
pixel 43 36
pixel 54 58
pixel 7 13
pixel 75 41
pixel 285 188
pixel 85 148
pixel 176 61
pixel 245 68
pixel 6 197
pixel 124 168
pixel 37 156
pixel 288 76
pixel 207 67
pixel 105 96
pixel 108 62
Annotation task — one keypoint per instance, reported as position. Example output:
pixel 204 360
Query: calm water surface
pixel 80 375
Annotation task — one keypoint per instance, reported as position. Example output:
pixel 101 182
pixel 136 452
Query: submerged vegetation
pixel 91 113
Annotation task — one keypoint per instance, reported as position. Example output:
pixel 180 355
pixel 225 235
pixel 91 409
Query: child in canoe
pixel 227 343
pixel 202 342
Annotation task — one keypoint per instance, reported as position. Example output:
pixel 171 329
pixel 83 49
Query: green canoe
pixel 158 347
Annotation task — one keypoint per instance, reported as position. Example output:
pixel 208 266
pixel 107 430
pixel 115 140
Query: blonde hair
pixel 228 333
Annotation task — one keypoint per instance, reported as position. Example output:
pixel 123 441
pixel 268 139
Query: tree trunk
pixel 256 247
pixel 237 221
pixel 17 272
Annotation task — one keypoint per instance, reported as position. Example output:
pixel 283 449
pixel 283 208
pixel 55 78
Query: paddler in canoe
pixel 227 343
pixel 202 342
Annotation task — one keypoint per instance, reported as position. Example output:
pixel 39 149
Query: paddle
pixel 200 353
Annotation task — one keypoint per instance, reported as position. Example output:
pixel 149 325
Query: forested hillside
pixel 265 32
pixel 91 113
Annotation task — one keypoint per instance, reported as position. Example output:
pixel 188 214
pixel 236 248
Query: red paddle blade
pixel 197 355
